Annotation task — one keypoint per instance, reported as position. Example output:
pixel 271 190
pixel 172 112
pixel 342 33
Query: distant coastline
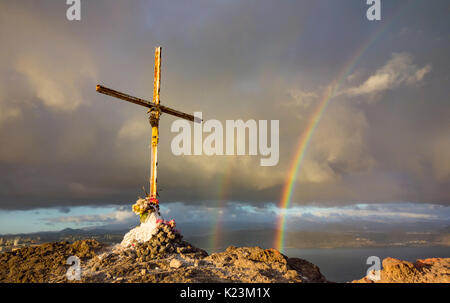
pixel 249 237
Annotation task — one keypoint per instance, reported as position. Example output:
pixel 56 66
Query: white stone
pixel 141 233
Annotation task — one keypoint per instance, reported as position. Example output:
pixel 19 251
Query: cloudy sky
pixel 69 152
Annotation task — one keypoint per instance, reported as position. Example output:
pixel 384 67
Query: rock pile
pixel 165 242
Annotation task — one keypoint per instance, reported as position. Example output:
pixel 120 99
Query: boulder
pixel 433 270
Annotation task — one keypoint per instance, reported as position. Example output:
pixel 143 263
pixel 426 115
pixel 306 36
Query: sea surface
pixel 347 264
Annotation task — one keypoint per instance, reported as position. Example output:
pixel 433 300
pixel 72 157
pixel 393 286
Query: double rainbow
pixel 305 138
pixel 301 148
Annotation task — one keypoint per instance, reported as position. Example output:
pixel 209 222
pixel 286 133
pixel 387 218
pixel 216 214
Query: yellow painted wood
pixel 155 113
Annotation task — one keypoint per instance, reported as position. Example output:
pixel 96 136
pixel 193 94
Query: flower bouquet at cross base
pixel 145 206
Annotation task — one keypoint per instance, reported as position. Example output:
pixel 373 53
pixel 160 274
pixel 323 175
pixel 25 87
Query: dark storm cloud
pixel 62 144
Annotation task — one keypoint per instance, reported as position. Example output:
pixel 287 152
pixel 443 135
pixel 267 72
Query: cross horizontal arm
pixel 113 93
pixel 119 95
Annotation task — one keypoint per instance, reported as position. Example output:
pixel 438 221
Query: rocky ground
pixel 433 270
pixel 165 258
pixel 44 263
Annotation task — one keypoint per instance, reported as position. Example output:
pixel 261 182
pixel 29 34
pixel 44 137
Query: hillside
pixel 184 263
pixel 104 264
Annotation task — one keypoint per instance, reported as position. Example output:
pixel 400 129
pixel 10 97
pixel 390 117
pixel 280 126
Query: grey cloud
pixel 399 70
pixel 62 144
pixel 110 218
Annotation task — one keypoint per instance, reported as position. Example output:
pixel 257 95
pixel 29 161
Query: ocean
pixel 347 264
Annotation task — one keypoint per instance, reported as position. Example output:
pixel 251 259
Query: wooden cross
pixel 155 110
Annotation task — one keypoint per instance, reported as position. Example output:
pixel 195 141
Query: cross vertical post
pixel 154 122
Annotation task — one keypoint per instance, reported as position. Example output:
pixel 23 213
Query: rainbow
pixel 305 138
pixel 302 146
pixel 223 188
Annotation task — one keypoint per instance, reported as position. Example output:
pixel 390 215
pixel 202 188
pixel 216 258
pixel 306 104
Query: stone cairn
pixel 167 240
